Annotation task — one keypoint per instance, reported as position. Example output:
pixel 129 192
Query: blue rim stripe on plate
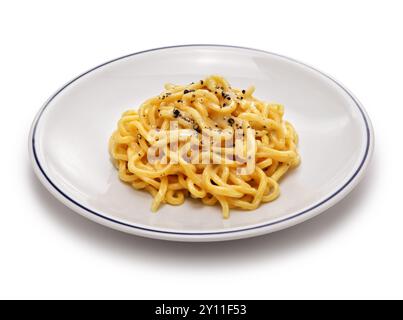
pixel 201 233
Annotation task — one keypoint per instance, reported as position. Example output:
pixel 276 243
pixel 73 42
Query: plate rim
pixel 243 232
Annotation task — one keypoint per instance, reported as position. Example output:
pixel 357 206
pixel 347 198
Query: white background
pixel 355 250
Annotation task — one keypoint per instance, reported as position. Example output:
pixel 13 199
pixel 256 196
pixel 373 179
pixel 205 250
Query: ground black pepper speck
pixel 176 113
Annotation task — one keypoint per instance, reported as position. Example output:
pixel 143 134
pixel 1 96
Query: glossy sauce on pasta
pixel 212 108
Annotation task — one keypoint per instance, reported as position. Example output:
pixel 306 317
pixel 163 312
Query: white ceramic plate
pixel 68 141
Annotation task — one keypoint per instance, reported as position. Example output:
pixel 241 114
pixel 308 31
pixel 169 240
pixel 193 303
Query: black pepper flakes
pixel 196 127
pixel 176 113
pixel 201 82
pixel 243 91
pixel 231 121
pixel 186 91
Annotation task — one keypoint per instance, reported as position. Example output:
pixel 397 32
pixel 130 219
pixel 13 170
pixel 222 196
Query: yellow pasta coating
pixel 212 109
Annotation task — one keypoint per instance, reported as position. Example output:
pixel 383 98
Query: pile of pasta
pixel 207 106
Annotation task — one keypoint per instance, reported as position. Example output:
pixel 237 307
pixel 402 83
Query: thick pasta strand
pixel 207 108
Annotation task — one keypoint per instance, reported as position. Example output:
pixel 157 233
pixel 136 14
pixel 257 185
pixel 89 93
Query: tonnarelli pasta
pixel 206 140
